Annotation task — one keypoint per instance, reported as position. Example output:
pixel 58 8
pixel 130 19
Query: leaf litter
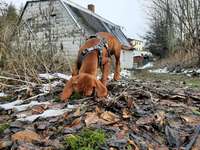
pixel 137 114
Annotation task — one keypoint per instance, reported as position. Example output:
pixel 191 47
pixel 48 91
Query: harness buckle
pixel 85 51
pixel 106 45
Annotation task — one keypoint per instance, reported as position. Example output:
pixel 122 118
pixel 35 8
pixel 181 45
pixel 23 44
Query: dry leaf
pixel 38 109
pixel 145 120
pixel 77 112
pixel 126 113
pixel 91 118
pixel 98 110
pixel 76 122
pixel 26 136
pixel 196 146
pixel 109 116
pixel 131 142
pixel 193 120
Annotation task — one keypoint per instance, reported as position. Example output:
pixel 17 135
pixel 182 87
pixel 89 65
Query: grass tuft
pixel 87 139
pixel 75 96
pixel 3 127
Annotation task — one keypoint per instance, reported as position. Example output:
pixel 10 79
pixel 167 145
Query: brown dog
pixel 85 80
pixel 83 83
pixel 85 71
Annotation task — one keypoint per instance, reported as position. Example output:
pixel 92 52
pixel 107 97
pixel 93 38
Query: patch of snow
pixel 71 106
pixel 45 114
pixel 148 65
pixel 111 76
pixel 189 75
pixel 198 71
pixel 125 73
pixel 47 87
pixel 46 76
pixel 26 106
pixel 3 94
pixel 62 76
pixel 164 70
pixel 11 105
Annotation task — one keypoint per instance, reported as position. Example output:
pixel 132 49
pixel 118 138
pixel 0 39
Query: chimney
pixel 91 7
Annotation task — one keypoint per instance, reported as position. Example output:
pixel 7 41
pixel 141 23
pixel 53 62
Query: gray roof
pixel 94 21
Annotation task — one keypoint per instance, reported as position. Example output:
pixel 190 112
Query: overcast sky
pixel 129 14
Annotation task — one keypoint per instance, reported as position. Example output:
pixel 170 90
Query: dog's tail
pixel 128 48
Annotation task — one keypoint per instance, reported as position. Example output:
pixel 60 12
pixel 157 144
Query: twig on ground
pixel 19 80
pixel 194 137
pixel 36 96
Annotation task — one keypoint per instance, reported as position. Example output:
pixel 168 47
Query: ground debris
pixel 137 114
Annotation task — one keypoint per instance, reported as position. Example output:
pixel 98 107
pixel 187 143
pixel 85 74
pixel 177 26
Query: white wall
pixel 126 59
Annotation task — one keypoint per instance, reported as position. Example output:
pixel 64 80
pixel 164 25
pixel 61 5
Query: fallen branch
pixel 8 78
pixel 36 96
pixel 6 85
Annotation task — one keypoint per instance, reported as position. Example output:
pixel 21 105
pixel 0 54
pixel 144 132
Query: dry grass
pixel 183 80
pixel 183 58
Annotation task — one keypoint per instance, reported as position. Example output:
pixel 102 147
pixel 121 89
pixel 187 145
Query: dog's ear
pixel 101 89
pixel 67 91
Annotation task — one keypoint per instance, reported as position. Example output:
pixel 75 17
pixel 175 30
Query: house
pixel 138 44
pixel 136 58
pixel 62 25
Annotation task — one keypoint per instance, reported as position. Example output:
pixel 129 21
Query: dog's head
pixel 87 83
pixel 83 83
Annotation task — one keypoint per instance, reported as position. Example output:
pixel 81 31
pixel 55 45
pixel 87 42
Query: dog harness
pixel 99 47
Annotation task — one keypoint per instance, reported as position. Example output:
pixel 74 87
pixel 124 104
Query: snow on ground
pixel 123 73
pixel 188 72
pixel 46 88
pixel 46 76
pixel 26 106
pixel 49 76
pixel 46 114
pixel 164 70
pixel 2 94
pixel 62 76
pixel 198 71
pixel 11 105
pixel 16 105
pixel 148 65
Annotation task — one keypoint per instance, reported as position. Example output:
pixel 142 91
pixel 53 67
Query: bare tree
pixel 182 23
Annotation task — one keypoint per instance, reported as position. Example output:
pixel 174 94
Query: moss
pixel 56 99
pixel 196 112
pixel 87 139
pixel 3 127
pixel 129 147
pixel 75 96
pixel 193 83
pixel 6 98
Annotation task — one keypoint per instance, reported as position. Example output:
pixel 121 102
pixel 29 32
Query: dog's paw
pixel 116 78
pixel 63 97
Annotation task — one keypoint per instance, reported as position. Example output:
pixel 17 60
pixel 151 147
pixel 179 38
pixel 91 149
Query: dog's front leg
pixel 105 72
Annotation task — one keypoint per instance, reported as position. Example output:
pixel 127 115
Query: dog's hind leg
pixel 105 73
pixel 117 67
